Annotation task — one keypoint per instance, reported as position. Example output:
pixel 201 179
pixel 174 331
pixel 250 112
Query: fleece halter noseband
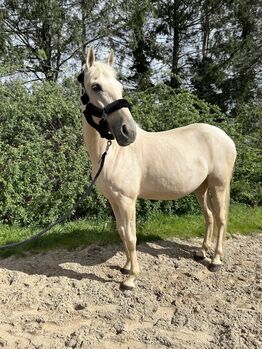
pixel 102 113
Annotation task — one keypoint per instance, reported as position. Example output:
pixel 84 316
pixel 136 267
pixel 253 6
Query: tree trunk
pixel 205 30
pixel 83 24
pixel 175 81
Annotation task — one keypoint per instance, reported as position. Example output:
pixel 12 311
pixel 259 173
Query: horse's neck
pixel 94 143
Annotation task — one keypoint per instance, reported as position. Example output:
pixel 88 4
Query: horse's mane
pixel 100 68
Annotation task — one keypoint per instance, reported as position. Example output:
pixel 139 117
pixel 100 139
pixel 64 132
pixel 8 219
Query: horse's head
pixel 105 93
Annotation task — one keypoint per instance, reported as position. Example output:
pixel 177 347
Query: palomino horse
pixel 165 165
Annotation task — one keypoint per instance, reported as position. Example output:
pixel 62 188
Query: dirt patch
pixel 64 299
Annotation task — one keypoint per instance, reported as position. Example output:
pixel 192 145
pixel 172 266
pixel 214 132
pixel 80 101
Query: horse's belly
pixel 164 194
pixel 170 188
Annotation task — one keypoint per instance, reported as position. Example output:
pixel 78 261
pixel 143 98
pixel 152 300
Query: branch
pixel 77 49
pixel 16 31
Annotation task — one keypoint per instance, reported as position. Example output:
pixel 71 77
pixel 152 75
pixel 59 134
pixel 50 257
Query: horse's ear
pixel 110 59
pixel 90 57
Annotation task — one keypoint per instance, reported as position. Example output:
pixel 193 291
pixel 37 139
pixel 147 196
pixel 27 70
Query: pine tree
pixel 176 24
pixel 225 72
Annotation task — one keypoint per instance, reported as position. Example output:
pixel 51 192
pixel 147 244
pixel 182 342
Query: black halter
pixel 91 110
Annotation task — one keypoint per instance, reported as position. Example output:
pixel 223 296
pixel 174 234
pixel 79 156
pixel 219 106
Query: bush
pixel 162 108
pixel 44 165
pixel 247 186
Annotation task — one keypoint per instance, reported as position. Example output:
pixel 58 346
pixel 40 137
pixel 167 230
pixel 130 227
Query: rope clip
pixel 109 143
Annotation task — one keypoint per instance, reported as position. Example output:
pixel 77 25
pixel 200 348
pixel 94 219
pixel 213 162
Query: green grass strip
pixel 242 220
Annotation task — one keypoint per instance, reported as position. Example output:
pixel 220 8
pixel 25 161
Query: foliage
pixel 249 119
pixel 247 186
pixel 162 108
pixel 44 166
pixel 211 47
pixel 227 70
pixel 40 38
pixel 142 44
pixel 43 163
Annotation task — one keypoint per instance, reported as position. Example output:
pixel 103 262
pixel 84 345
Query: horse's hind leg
pixel 202 196
pixel 220 207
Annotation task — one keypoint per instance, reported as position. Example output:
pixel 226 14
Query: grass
pixel 243 220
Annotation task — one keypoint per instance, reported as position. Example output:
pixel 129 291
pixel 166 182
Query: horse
pixel 164 165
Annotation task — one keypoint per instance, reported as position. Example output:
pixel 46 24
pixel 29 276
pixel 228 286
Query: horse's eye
pixel 96 87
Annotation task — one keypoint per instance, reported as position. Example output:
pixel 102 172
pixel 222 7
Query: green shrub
pixel 161 108
pixel 44 165
pixel 247 186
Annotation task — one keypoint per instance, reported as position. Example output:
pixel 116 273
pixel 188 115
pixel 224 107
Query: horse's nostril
pixel 125 130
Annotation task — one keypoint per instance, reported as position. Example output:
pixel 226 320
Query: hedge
pixel 44 165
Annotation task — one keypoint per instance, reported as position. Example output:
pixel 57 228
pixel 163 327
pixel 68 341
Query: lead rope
pixel 69 211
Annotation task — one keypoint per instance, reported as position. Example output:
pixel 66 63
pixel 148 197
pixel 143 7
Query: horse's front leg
pixel 126 268
pixel 127 224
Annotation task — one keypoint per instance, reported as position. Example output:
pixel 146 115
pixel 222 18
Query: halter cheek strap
pixel 102 113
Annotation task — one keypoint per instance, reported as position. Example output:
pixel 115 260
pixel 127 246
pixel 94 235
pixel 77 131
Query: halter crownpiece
pixel 102 113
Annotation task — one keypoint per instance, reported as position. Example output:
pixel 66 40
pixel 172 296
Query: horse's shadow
pixel 56 263
pixel 169 248
pixel 65 263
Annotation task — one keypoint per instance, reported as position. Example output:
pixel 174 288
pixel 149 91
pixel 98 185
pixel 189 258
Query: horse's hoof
pixel 124 287
pixel 198 258
pixel 124 271
pixel 214 267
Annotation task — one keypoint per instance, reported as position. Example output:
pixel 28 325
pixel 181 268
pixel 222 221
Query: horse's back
pixel 201 136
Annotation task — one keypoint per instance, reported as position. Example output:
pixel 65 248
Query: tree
pixel 44 36
pixel 247 56
pixel 134 38
pixel 176 26
pixel 225 71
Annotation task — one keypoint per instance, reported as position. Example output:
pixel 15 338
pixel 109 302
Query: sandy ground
pixel 64 299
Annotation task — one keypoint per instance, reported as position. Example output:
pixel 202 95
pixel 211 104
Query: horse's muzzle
pixel 125 134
